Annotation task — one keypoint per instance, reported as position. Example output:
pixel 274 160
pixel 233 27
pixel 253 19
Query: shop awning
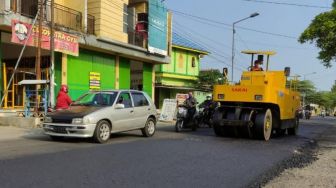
pixel 33 82
pixel 182 88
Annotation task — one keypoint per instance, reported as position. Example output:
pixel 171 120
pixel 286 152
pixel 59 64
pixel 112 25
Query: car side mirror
pixel 119 106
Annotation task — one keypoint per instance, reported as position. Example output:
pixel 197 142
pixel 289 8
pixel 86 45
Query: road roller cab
pixel 261 103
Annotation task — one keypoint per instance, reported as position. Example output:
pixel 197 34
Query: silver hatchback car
pixel 97 114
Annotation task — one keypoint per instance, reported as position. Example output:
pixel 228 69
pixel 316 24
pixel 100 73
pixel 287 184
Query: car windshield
pixel 96 99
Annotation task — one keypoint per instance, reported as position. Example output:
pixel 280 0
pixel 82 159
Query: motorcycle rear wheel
pixel 179 125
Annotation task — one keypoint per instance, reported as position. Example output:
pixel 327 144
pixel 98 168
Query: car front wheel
pixel 149 128
pixel 102 132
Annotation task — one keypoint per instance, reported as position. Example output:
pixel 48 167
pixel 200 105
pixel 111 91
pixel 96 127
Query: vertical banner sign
pixel 157 27
pixel 94 80
pixel 168 110
pixel 65 43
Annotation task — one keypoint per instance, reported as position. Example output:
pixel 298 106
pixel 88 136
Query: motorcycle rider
pixel 209 108
pixel 207 103
pixel 190 103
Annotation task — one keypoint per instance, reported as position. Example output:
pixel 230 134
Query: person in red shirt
pixel 63 99
pixel 257 66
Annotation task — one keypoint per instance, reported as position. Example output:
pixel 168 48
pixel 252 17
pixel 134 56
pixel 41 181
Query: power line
pixel 241 39
pixel 182 27
pixel 289 4
pixel 214 51
pixel 268 33
pixel 229 25
pixel 276 45
pixel 223 62
pixel 218 43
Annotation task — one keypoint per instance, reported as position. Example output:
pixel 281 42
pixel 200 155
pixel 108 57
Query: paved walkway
pixel 14 133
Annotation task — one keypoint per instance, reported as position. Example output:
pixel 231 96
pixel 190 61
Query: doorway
pixel 136 75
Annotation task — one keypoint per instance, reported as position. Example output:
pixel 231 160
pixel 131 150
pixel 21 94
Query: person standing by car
pixel 63 99
pixel 190 103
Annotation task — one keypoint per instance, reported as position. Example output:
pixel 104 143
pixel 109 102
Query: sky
pixel 284 22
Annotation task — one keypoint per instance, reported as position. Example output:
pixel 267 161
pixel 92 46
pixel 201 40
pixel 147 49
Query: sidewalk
pixel 321 173
pixel 14 133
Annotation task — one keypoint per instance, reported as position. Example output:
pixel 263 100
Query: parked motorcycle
pixel 183 122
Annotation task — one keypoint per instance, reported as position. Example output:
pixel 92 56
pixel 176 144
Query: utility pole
pixel 52 56
pixel 38 54
pixel 233 40
pixel 85 16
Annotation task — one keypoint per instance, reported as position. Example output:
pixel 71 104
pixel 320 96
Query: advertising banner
pixel 94 80
pixel 157 27
pixel 168 110
pixel 181 97
pixel 65 43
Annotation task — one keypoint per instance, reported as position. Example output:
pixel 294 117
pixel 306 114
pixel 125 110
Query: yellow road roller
pixel 262 103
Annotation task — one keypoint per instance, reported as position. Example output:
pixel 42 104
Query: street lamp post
pixel 304 91
pixel 233 38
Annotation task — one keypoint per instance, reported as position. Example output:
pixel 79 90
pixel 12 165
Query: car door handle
pixel 131 111
pixel 148 109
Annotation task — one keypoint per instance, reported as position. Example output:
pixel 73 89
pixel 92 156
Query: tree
pixel 208 78
pixel 322 31
pixel 333 88
pixel 307 89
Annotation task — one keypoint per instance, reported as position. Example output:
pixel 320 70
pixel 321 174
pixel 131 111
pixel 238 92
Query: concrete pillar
pixel 153 83
pixel 64 69
pixel 85 15
pixel 117 61
pixel 1 75
pixel 7 4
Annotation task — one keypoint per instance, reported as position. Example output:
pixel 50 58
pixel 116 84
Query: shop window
pixel 193 62
pixel 125 18
pixel 180 61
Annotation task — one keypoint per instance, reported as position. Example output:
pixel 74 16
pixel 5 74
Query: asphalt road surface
pixel 169 159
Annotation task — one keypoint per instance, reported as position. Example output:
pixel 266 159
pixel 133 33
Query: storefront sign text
pixel 64 42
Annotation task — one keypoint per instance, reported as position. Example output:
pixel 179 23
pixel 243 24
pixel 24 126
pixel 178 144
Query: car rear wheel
pixel 150 127
pixel 102 132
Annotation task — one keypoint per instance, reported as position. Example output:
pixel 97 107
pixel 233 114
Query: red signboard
pixel 238 89
pixel 64 42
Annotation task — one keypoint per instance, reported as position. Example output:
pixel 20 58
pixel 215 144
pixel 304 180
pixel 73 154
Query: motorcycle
pixel 183 122
pixel 205 117
pixel 307 114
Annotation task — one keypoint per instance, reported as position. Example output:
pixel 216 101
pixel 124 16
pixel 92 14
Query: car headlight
pixel 87 120
pixel 84 120
pixel 77 121
pixel 47 119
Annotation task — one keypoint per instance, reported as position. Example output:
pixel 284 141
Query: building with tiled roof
pixel 181 75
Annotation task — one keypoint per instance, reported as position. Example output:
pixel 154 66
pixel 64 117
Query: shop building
pixel 181 75
pixel 118 41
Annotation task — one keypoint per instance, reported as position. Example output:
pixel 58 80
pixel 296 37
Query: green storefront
pixel 181 75
pixel 79 68
pixel 115 72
